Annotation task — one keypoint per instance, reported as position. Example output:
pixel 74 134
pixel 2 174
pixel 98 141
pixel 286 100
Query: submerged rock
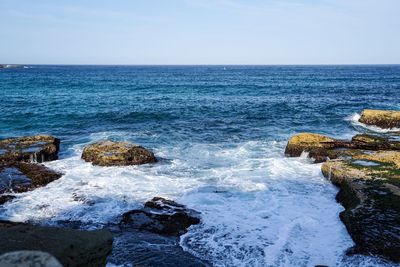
pixel 38 148
pixel 370 192
pixel 161 216
pixel 109 153
pixel 70 247
pixel 382 118
pixel 17 177
pixel 28 258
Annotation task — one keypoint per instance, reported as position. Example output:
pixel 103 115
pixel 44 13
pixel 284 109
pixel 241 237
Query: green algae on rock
pixel 109 153
pixel 38 148
pixel 370 194
pixel 385 119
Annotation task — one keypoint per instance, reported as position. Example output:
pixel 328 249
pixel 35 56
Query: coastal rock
pixel 161 216
pixel 27 258
pixel 109 153
pixel 385 119
pixel 70 247
pixel 38 148
pixel 371 142
pixel 370 192
pixel 17 177
pixel 322 148
pixel 319 146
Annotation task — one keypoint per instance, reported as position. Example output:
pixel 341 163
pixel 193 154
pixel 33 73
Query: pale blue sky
pixel 200 31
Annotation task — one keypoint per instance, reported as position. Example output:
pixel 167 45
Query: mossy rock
pixel 307 142
pixel 109 153
pixel 382 118
pixel 372 142
pixel 319 147
pixel 38 148
pixel 370 192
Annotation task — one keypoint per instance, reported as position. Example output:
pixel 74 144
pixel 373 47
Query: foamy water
pixel 258 208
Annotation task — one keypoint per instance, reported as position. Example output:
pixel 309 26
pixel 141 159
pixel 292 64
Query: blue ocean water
pixel 216 129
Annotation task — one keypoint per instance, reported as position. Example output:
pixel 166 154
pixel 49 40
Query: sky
pixel 200 32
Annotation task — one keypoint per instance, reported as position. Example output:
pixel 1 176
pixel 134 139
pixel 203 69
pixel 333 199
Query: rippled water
pixel 220 133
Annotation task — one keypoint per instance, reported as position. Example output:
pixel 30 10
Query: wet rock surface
pixel 17 177
pixel 150 236
pixel 70 247
pixel 38 148
pixel 161 216
pixel 109 153
pixel 382 118
pixel 28 258
pixel 137 248
pixel 367 171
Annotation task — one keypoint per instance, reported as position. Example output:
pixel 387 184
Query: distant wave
pixel 355 121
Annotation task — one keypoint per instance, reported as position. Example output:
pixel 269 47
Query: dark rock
pixel 38 148
pixel 370 192
pixel 109 153
pixel 141 248
pixel 21 177
pixel 70 247
pixel 161 216
pixel 382 118
pixel 6 198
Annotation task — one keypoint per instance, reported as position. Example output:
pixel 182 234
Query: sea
pixel 219 133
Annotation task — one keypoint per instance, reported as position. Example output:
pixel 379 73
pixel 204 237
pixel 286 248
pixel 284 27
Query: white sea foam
pixel 355 121
pixel 258 208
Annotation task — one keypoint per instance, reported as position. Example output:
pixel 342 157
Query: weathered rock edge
pixel 371 198
pixel 385 119
pixel 70 247
pixel 37 148
pixel 110 153
pixel 322 148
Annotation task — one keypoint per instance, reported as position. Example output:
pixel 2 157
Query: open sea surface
pixel 220 134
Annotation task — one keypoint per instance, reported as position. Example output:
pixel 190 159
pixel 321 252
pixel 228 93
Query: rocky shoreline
pixel 367 171
pixel 21 170
pixel 365 168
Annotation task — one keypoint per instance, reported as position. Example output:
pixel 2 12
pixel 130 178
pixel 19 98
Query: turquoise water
pixel 216 129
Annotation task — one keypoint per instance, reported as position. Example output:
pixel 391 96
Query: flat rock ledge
pixel 69 247
pixel 37 148
pixel 110 153
pixel 18 177
pixel 367 171
pixel 385 119
pixel 161 216
pixel 321 148
pixel 27 258
pixel 370 192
